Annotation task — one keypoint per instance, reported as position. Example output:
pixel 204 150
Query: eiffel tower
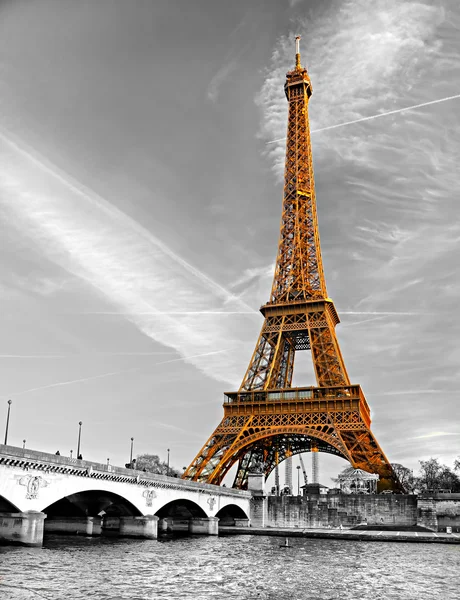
pixel 267 420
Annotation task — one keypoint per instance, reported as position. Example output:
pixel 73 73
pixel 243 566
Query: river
pixel 241 567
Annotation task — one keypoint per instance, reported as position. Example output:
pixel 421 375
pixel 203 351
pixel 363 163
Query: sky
pixel 141 152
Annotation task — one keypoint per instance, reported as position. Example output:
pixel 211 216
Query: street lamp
pixel 7 421
pixel 80 423
pixel 23 444
pixel 71 453
pixel 298 480
pixel 131 453
pixel 167 471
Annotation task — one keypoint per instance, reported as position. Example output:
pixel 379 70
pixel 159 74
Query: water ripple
pixel 240 567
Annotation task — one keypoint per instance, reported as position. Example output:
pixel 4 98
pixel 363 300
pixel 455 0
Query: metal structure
pixel 304 471
pixel 267 419
pixel 288 475
pixel 314 465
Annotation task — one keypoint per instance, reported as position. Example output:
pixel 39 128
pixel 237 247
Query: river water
pixel 241 567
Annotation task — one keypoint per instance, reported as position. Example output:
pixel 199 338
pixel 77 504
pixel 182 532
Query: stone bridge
pixel 42 492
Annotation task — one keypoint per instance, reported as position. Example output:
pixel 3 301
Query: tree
pixel 429 474
pixel 457 464
pixel 406 477
pixel 435 476
pixel 449 480
pixel 152 464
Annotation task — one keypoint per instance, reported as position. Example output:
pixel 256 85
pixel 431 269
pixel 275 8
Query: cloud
pixel 254 274
pixel 140 275
pixel 379 312
pixel 386 182
pixel 355 54
pixel 219 78
pixel 434 434
pixel 86 354
pixel 410 392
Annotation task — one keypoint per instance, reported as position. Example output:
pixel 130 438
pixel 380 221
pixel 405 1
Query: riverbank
pixel 347 534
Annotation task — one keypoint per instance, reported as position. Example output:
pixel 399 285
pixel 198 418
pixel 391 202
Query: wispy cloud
pixel 411 392
pixel 380 312
pixel 353 52
pixel 219 78
pixel 386 156
pixel 85 354
pixel 130 267
pixel 435 434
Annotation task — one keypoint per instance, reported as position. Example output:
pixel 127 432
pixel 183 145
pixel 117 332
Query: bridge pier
pixel 23 529
pixel 110 525
pixel 204 526
pixel 242 522
pixel 139 527
pixel 77 525
pixel 173 525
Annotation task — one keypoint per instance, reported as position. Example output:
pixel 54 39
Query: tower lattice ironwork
pixel 267 420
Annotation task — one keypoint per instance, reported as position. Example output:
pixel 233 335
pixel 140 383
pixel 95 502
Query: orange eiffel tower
pixel 267 420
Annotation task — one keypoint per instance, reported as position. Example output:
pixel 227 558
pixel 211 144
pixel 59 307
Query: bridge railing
pixel 26 459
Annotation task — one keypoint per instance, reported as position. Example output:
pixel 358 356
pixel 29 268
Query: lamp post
pixel 23 444
pixel 7 421
pixel 298 480
pixel 71 453
pixel 80 423
pixel 167 470
pixel 131 453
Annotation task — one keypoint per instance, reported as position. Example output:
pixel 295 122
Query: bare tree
pixel 406 477
pixel 152 464
pixel 434 475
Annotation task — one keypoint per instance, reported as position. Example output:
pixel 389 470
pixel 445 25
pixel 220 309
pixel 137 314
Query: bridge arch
pixel 91 503
pixel 7 506
pixel 181 509
pixel 228 513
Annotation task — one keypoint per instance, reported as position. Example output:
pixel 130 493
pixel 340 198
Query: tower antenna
pixel 298 66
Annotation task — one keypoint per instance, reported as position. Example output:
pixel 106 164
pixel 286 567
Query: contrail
pixel 239 312
pixel 111 374
pixel 165 362
pixel 86 354
pixel 175 312
pixel 375 312
pixel 62 383
pixel 411 392
pixel 391 112
pixel 435 434
pixel 82 190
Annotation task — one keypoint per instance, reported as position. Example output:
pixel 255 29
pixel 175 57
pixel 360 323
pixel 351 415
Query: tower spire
pixel 298 66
